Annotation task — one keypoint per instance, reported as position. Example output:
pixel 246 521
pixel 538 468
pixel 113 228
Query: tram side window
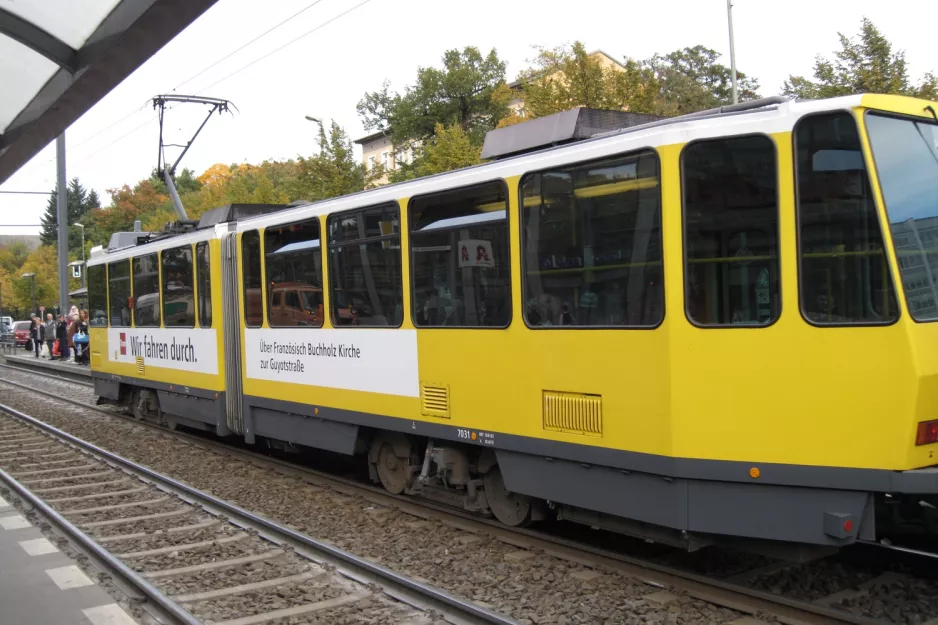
pixel 203 269
pixel 119 293
pixel 178 303
pixel 251 268
pixel 731 232
pixel 844 276
pixel 97 296
pixel 365 267
pixel 459 258
pixel 294 274
pixel 592 244
pixel 146 291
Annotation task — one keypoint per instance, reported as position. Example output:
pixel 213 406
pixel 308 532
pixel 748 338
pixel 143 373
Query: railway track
pixel 197 558
pixel 65 375
pixel 735 591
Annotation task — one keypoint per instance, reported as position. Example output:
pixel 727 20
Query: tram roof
pixel 58 58
pixel 773 116
pixel 777 116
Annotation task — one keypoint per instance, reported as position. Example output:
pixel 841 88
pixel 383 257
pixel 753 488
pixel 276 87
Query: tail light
pixel 927 433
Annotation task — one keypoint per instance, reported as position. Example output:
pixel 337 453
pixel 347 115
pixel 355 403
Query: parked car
pixel 21 331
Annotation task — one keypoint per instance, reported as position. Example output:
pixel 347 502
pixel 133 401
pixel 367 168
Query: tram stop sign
pixel 42 309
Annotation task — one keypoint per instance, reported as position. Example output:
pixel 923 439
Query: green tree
pixel 691 79
pixel 867 64
pixel 13 256
pixel 462 92
pixel 185 182
pixel 450 148
pixel 333 171
pixel 80 202
pixel 566 77
pixel 127 205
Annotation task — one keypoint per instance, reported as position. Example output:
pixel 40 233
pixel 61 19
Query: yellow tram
pixel 706 328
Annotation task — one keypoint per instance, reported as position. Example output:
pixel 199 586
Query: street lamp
pixel 729 19
pixel 32 277
pixel 77 225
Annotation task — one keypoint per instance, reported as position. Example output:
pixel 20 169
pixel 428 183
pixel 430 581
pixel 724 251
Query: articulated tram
pixel 712 328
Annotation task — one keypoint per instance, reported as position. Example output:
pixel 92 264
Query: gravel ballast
pixel 531 587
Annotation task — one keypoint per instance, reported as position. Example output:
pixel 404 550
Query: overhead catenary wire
pixel 186 81
pixel 289 43
pixel 242 47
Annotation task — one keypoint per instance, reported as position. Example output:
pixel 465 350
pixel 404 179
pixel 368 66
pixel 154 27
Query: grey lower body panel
pixel 196 405
pixel 761 511
pixel 297 424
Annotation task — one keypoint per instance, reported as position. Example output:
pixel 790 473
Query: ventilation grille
pixel 141 368
pixel 573 412
pixel 434 400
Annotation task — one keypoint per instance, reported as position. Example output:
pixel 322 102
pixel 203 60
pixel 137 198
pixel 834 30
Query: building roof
pixel 373 137
pixel 58 58
pixel 518 83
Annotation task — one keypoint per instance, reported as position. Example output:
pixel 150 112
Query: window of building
pixel 203 269
pixel 844 275
pixel 460 268
pixel 118 282
pixel 731 231
pixel 294 274
pixel 365 267
pixel 97 296
pixel 906 159
pixel 385 160
pixel 178 287
pixel 592 244
pixel 372 162
pixel 251 268
pixel 146 291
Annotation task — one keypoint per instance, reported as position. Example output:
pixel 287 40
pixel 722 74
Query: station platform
pixel 28 360
pixel 40 585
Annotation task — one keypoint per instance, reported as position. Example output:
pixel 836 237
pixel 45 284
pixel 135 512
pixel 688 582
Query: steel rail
pixel 46 373
pixel 114 566
pixel 401 586
pixel 717 591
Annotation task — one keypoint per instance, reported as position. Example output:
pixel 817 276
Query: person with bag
pixel 80 339
pixel 72 321
pixel 50 336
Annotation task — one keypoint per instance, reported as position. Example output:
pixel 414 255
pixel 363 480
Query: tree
pixel 459 93
pixel 43 261
pixel 864 65
pixel 127 205
pixel 691 79
pixel 566 77
pixel 451 148
pixel 79 202
pixel 334 171
pixel 13 256
pixel 185 181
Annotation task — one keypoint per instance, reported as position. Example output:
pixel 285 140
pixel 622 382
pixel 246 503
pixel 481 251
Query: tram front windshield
pixel 906 155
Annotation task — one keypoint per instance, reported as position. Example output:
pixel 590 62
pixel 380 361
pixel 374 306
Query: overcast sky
pixel 326 72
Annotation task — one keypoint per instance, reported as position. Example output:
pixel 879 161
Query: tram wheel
pixel 393 471
pixel 512 509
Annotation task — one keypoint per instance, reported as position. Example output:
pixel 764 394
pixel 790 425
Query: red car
pixel 21 332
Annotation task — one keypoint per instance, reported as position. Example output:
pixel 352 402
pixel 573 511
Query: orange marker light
pixel 315 410
pixel 473 436
pixel 754 473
